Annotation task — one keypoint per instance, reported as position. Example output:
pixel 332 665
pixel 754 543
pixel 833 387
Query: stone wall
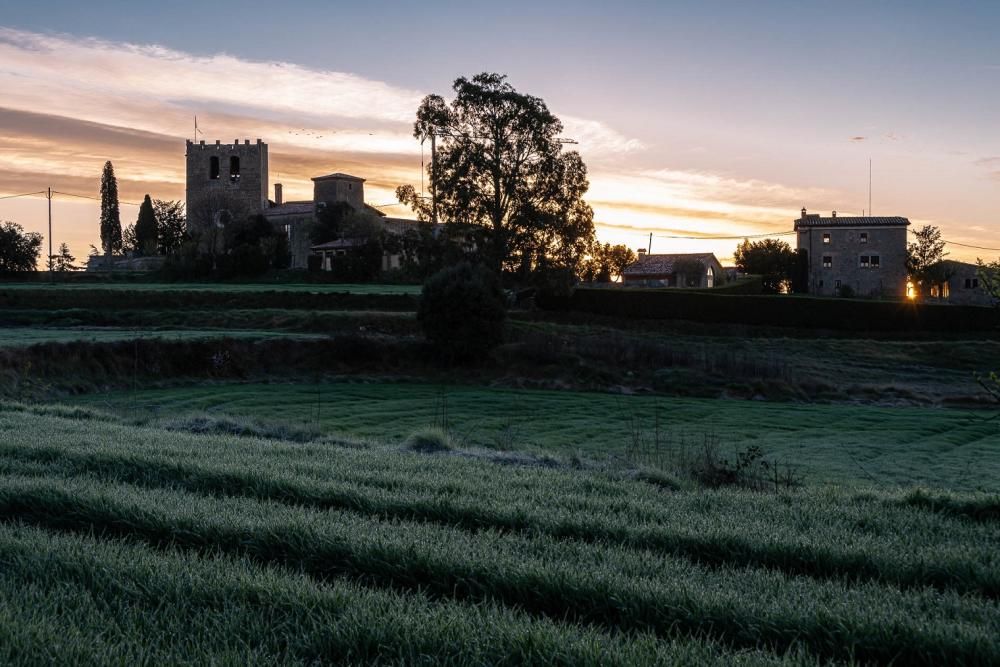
pixel 846 250
pixel 211 174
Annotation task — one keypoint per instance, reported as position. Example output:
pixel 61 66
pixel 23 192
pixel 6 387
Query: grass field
pixel 121 543
pixel 21 336
pixel 259 501
pixel 830 443
pixel 312 288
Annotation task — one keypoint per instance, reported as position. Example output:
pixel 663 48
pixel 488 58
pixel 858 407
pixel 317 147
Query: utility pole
pixel 649 251
pixel 48 195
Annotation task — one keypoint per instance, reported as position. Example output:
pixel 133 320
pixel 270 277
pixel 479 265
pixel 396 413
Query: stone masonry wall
pixel 846 249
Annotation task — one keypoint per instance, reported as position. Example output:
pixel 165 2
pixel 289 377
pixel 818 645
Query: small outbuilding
pixel 685 270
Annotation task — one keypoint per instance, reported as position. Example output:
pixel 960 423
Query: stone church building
pixel 233 178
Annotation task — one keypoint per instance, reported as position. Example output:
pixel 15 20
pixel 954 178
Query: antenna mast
pixel 869 186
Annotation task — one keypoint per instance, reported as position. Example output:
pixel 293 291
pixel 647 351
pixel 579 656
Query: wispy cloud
pixel 858 139
pixel 71 103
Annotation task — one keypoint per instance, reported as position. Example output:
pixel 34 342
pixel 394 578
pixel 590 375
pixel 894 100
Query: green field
pixel 21 336
pixel 584 497
pixel 133 544
pixel 312 288
pixel 944 448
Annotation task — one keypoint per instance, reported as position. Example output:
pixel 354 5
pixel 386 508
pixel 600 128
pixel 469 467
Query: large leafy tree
pixel 171 225
pixel 499 167
pixel 19 250
pixel 111 224
pixel 607 261
pixel 146 232
pixel 924 255
pixel 772 259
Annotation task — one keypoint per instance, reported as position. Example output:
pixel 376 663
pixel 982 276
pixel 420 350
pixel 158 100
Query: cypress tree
pixel 146 232
pixel 111 224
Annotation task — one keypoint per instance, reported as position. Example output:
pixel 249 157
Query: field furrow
pixel 608 585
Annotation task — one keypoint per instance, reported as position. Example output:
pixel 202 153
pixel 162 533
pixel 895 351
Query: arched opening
pixel 710 277
pixel 213 168
pixel 234 168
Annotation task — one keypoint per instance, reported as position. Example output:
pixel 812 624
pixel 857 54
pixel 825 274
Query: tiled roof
pixel 290 208
pixel 846 221
pixel 664 264
pixel 338 176
pixel 337 244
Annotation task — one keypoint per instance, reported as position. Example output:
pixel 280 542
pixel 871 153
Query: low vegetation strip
pixel 845 444
pixel 781 310
pixel 81 601
pixel 839 550
pixel 597 584
pixel 236 319
pixel 101 298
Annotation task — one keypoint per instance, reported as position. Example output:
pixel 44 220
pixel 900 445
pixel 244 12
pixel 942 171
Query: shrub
pixel 429 441
pixel 462 312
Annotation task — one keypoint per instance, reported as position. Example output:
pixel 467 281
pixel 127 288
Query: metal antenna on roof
pixel 869 186
pixel 650 251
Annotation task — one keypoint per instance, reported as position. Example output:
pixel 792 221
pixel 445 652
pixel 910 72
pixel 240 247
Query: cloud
pixel 71 103
pixel 892 136
pixel 858 139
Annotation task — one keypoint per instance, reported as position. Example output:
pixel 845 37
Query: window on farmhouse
pixel 827 262
pixel 945 290
pixel 875 261
pixel 213 168
pixel 234 169
pixel 968 283
pixel 826 238
pixel 864 261
pixel 934 291
pixel 975 282
pixel 837 284
pixel 863 237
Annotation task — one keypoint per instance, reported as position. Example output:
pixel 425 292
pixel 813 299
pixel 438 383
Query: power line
pixel 724 238
pixel 70 194
pixel 26 194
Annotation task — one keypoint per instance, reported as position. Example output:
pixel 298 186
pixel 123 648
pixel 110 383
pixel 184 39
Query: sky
pixel 696 119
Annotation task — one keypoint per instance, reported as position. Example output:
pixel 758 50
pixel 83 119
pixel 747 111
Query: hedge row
pixel 56 299
pixel 780 310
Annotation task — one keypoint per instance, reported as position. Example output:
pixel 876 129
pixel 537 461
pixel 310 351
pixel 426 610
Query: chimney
pixel 835 214
pixel 277 194
pixel 642 251
pixel 803 212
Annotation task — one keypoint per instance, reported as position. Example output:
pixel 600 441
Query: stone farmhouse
pixel 234 177
pixel 954 283
pixel 866 255
pixel 674 270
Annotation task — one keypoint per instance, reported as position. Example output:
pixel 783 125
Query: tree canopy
pixel 63 262
pixel 111 224
pixel 500 167
pixel 19 250
pixel 171 225
pixel 924 254
pixel 146 232
pixel 772 259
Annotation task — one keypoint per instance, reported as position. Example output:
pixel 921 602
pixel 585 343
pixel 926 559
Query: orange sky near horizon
pixel 72 103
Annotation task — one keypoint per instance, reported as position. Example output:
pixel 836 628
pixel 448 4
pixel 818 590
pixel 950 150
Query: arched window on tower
pixel 710 277
pixel 213 168
pixel 234 168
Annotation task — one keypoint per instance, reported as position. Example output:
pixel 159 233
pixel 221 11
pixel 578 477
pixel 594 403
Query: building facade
pixel 859 256
pixel 675 270
pixel 953 283
pixel 227 181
